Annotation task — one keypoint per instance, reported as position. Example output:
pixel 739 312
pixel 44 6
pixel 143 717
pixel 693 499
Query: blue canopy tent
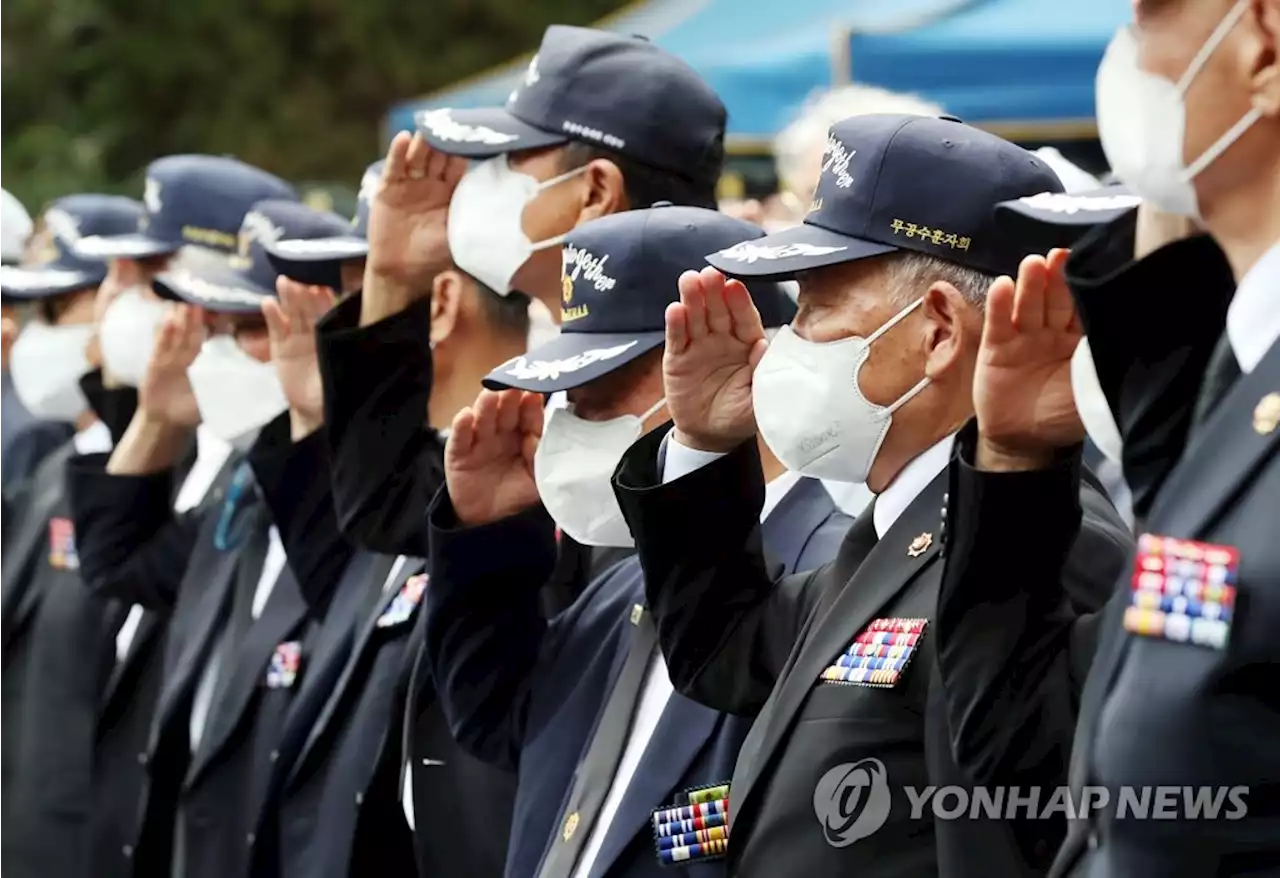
pixel 999 63
pixel 1024 68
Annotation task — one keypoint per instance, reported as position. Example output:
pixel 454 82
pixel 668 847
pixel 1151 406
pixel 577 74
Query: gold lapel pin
pixel 920 545
pixel 570 824
pixel 1267 415
pixel 637 611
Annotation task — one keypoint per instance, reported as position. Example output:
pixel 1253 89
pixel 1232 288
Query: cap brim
pixel 316 261
pixel 571 360
pixel 1080 209
pixel 481 132
pixel 136 246
pixel 223 292
pixel 22 284
pixel 784 254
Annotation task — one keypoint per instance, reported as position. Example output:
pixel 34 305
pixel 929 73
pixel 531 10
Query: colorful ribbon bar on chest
pixel 1183 591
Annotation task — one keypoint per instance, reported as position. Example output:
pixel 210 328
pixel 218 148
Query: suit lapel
pixel 1224 452
pixel 798 514
pixel 682 732
pixel 365 635
pixel 148 625
pixel 210 610
pixel 876 582
pixel 247 666
pixel 17 599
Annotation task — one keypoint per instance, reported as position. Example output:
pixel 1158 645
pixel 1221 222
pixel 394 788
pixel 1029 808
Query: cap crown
pixel 621 271
pixel 925 184
pixel 201 199
pixel 625 94
pixel 83 216
pixel 275 220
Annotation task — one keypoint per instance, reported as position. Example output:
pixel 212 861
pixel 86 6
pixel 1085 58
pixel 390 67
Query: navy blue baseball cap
pixel 618 92
pixel 191 199
pixel 317 260
pixel 247 277
pixel 61 268
pixel 896 182
pixel 620 274
pixel 1055 219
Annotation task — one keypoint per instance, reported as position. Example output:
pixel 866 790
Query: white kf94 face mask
pixel 1091 404
pixel 573 468
pixel 485 229
pixel 46 365
pixel 236 394
pixel 811 411
pixel 128 335
pixel 1142 121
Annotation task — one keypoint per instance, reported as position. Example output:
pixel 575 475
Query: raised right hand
pixel 715 340
pixel 165 396
pixel 1022 381
pixel 407 220
pixel 488 460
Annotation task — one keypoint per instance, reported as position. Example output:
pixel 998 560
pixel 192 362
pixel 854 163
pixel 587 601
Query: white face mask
pixel 573 468
pixel 128 334
pixel 810 410
pixel 47 363
pixel 1091 403
pixel 235 393
pixel 1142 122
pixel 485 229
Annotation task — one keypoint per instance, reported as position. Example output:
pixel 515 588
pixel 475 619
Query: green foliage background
pixel 94 89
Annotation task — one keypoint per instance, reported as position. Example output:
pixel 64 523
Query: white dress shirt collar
pixel 93 439
pixel 914 478
pixel 776 490
pixel 1253 318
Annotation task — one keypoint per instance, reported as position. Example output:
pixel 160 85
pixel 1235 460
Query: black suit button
pixel 1093 841
pixel 250 839
pixel 142 758
pixel 127 850
pixel 359 799
pixel 275 755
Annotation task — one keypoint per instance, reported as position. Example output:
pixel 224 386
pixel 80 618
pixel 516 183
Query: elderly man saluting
pixel 871 382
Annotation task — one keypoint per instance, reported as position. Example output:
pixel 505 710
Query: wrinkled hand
pixel 488 460
pixel 165 395
pixel 291 325
pixel 715 340
pixel 1022 384
pixel 407 218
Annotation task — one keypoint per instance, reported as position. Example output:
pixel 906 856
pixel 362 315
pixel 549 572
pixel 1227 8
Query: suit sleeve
pixel 387 463
pixel 114 406
pixel 726 621
pixel 32 444
pixel 1017 613
pixel 1150 357
pixel 484 626
pixel 294 479
pixel 132 545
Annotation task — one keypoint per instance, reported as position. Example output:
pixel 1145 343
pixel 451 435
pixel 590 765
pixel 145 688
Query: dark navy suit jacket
pixel 524 693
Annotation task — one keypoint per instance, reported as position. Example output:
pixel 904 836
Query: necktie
pixel 595 772
pixel 1221 372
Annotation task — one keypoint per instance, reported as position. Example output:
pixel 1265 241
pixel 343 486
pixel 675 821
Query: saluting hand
pixel 407 217
pixel 165 396
pixel 1022 383
pixel 291 326
pixel 715 340
pixel 488 460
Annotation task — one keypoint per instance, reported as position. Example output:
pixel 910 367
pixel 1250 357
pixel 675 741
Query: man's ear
pixel 1264 57
pixel 948 325
pixel 605 190
pixel 446 299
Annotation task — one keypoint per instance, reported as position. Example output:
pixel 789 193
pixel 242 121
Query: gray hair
pixel 910 275
pixel 795 144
